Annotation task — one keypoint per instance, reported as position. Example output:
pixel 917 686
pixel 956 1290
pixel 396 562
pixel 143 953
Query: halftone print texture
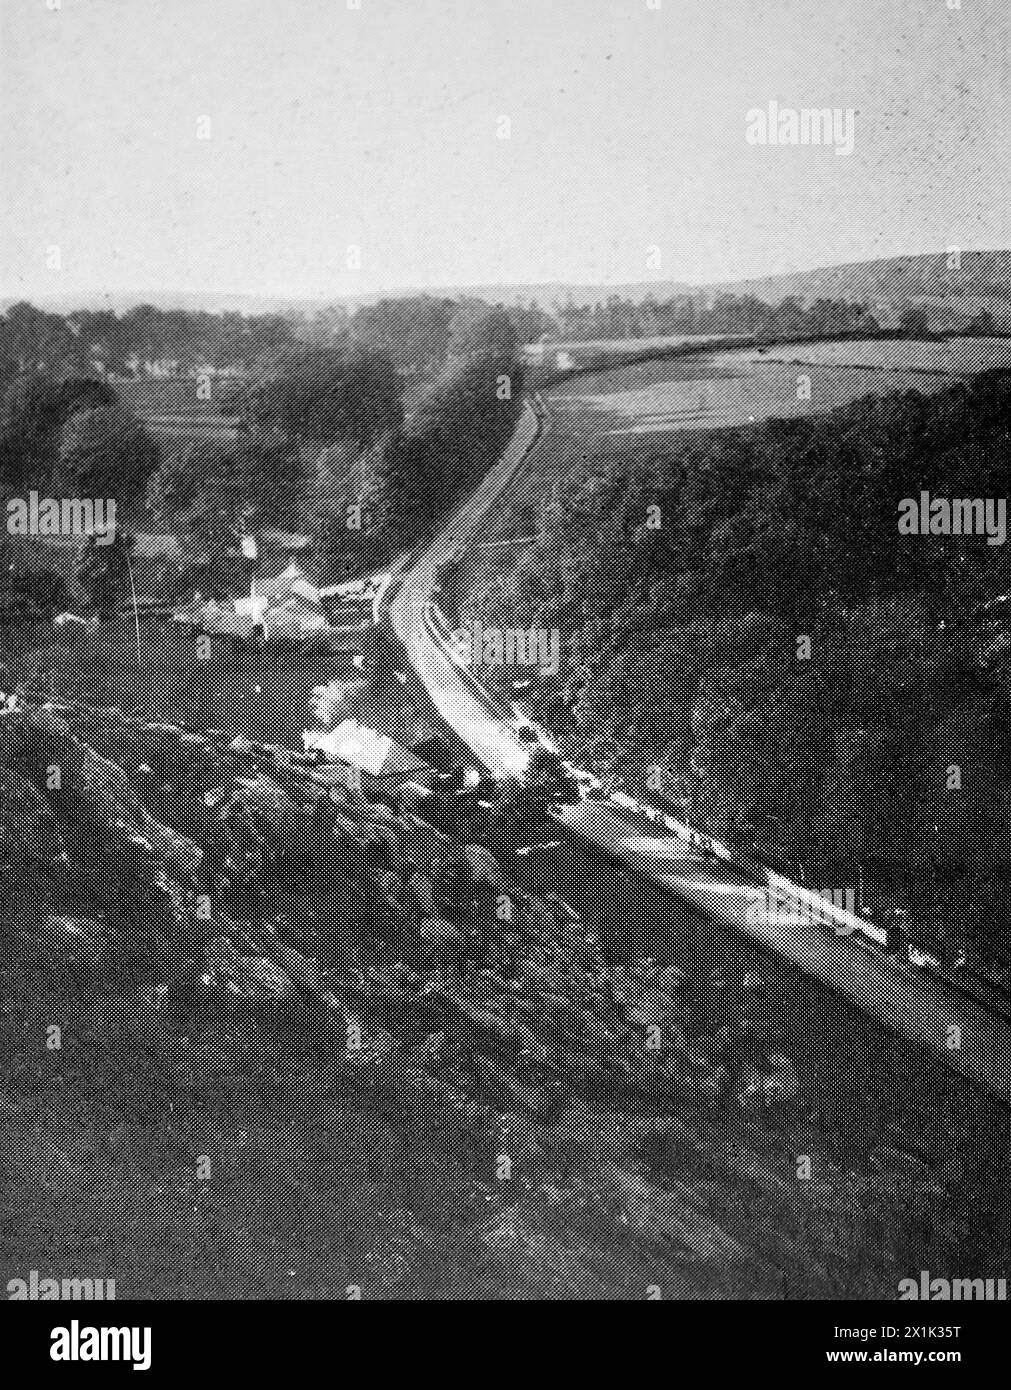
pixel 505 651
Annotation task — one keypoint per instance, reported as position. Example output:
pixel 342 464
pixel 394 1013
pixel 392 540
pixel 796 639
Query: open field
pixel 948 355
pixel 744 386
pixel 176 396
pixel 258 693
pixel 720 390
pixel 263 693
pixel 586 346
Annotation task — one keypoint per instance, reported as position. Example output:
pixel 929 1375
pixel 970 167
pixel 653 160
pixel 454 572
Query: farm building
pixel 360 757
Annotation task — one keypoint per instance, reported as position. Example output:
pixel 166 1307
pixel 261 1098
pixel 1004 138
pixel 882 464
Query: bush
pixel 30 598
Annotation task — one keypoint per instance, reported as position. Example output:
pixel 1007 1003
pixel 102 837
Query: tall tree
pixel 36 407
pixel 326 394
pixel 478 328
pixel 413 331
pixel 914 323
pixel 981 325
pixel 272 475
pixel 107 452
pixel 185 475
pixel 32 340
pixel 103 572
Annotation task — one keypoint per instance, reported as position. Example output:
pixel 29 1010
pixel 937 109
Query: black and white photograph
pixel 505 666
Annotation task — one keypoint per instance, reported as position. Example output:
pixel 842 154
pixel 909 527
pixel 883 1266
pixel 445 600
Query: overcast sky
pixel 377 127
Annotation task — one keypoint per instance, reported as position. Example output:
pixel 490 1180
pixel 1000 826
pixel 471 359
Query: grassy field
pixel 742 387
pixel 263 693
pixel 175 396
pixel 584 348
pixel 255 692
pixel 949 355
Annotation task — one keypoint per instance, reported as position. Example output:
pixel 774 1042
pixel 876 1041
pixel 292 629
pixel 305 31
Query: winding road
pixel 968 1037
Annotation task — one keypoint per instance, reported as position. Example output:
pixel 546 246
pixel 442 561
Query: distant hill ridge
pixel 954 285
pixel 952 288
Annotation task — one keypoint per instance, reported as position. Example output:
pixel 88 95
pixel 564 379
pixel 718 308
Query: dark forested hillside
pixel 876 748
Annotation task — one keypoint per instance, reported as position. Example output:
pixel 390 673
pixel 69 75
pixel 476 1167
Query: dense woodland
pixel 682 641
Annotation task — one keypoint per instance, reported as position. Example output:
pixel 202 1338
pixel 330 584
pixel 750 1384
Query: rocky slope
pixel 307 1044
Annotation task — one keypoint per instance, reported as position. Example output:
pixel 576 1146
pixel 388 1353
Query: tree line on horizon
pixel 417 332
pixel 619 317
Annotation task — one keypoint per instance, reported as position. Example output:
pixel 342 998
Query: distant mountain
pixel 982 280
